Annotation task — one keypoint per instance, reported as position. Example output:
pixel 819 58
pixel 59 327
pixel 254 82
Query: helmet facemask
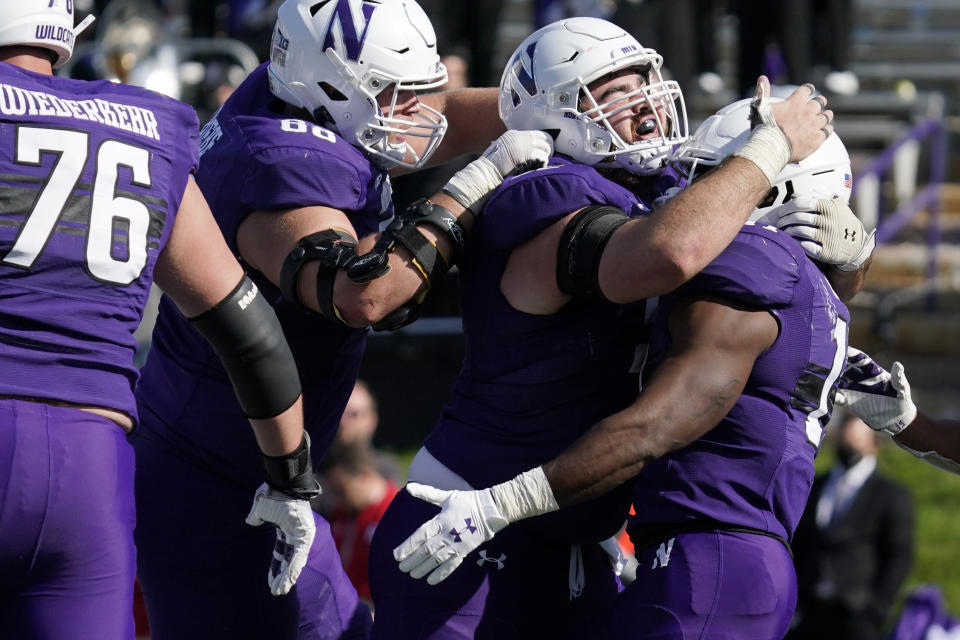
pixel 385 134
pixel 664 114
pixel 335 59
pixel 545 86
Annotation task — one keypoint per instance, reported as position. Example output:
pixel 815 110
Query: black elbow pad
pixel 581 247
pixel 245 332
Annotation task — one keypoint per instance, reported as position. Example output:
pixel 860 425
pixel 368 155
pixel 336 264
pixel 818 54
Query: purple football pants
pixel 203 570
pixel 721 586
pixel 514 586
pixel 66 524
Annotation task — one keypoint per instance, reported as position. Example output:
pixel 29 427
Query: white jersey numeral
pixel 813 421
pixel 106 208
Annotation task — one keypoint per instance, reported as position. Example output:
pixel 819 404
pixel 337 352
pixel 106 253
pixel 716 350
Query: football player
pixel 98 201
pixel 717 449
pixel 296 167
pixel 550 333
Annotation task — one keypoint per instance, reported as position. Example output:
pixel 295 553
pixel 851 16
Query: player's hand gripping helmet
pixel 544 86
pixel 824 174
pixel 40 23
pixel 333 57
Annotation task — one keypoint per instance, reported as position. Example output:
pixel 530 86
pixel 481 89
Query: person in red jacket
pixel 359 494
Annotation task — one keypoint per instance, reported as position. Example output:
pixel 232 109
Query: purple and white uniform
pixel 713 519
pixel 92 177
pixel 529 386
pixel 210 578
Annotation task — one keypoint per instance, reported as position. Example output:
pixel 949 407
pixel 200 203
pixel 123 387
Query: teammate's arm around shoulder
pixel 198 271
pixel 629 260
pixel 715 345
pixel 690 230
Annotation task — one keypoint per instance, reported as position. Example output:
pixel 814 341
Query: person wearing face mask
pixel 854 545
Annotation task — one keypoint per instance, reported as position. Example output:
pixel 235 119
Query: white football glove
pixel 466 520
pixel 827 230
pixel 514 150
pixel 293 519
pixel 880 399
pixel 768 146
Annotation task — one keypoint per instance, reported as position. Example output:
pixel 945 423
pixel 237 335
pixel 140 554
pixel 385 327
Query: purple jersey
pixel 755 468
pixel 257 158
pixel 531 384
pixel 92 177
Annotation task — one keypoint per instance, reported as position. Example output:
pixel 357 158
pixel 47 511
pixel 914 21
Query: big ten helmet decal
pixel 40 23
pixel 335 57
pixel 545 87
pixel 824 174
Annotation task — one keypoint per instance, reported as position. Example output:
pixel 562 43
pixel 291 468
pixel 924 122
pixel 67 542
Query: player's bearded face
pixel 627 111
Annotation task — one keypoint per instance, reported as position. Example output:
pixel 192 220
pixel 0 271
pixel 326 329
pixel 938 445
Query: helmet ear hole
pixel 331 91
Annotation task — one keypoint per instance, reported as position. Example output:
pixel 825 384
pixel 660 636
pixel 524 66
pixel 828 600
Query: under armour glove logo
pixel 850 234
pixel 484 558
pixel 282 555
pixel 468 528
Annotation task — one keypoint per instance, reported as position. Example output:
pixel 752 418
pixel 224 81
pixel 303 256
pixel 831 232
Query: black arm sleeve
pixel 581 247
pixel 244 331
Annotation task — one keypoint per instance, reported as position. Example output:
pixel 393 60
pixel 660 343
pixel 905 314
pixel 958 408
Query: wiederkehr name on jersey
pixel 15 101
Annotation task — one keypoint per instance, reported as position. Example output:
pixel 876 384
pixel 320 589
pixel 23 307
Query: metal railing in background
pixel 901 156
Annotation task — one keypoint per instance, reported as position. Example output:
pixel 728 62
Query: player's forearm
pixel 280 435
pixel 926 434
pixel 611 453
pixel 683 236
pixel 364 304
pixel 700 222
pixel 682 402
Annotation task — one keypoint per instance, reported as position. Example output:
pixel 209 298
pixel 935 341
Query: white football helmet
pixel 333 57
pixel 824 174
pixel 546 80
pixel 47 24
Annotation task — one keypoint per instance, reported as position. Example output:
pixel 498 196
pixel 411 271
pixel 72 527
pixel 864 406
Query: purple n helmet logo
pixel 352 38
pixel 524 76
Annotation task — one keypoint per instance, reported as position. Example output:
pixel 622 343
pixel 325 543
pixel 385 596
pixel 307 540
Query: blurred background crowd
pixel 891 69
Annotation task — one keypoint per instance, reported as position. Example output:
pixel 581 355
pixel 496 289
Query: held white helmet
pixel 40 23
pixel 545 83
pixel 824 174
pixel 333 57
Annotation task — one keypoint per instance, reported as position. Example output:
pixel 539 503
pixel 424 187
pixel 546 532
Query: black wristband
pixel 293 473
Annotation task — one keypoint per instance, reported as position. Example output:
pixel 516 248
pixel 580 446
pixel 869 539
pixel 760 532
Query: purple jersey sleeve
pixel 255 158
pixel 526 204
pixel 759 268
pixel 272 186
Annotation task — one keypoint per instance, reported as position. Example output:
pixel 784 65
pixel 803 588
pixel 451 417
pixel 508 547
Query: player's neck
pixel 28 58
